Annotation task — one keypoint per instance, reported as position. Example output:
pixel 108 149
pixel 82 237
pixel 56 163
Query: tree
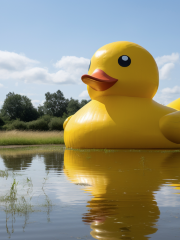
pixel 73 106
pixel 55 104
pixel 83 102
pixel 1 122
pixel 40 110
pixel 17 106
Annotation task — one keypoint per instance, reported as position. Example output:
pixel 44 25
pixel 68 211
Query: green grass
pixel 29 150
pixel 30 137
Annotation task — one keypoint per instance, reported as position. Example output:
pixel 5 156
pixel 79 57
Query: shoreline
pixel 35 145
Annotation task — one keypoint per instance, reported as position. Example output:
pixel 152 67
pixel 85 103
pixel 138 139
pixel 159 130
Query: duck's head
pixel 122 68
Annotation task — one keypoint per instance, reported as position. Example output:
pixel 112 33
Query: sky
pixel 47 45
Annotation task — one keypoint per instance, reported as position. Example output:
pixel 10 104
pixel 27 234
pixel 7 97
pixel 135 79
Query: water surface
pixel 90 194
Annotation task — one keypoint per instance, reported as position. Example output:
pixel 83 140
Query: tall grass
pixel 30 137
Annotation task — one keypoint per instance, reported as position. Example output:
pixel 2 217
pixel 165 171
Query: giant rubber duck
pixel 122 80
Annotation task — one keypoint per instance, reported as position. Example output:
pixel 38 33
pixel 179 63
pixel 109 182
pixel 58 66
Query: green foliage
pixel 56 124
pixel 18 113
pixel 46 118
pixel 7 127
pixel 83 102
pixel 4 173
pixel 1 122
pixel 17 106
pixel 40 110
pixel 65 115
pixel 55 104
pixel 17 124
pixel 20 125
pixel 74 106
pixel 39 124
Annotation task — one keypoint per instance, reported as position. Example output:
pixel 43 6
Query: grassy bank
pixel 30 137
pixel 14 152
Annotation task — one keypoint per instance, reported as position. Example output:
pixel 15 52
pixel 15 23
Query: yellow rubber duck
pixel 122 80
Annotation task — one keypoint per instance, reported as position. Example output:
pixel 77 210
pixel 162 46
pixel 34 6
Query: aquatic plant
pixel 4 173
pixel 18 201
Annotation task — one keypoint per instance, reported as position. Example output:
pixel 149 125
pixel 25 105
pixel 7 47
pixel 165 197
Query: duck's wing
pixel 66 121
pixel 175 104
pixel 170 126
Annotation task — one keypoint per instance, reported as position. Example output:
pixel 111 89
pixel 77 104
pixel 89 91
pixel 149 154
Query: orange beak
pixel 99 80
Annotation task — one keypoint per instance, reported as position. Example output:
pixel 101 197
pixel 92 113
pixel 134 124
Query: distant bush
pixel 6 127
pixel 43 123
pixel 46 118
pixel 56 124
pixel 17 124
pixel 39 124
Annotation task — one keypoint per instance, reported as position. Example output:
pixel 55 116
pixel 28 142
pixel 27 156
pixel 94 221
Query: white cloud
pixel 174 57
pixel 164 72
pixel 36 102
pixel 69 63
pixel 72 68
pixel 174 90
pixel 27 94
pixel 1 85
pixel 10 61
pixel 165 64
pixel 84 94
pixel 18 67
pixel 167 95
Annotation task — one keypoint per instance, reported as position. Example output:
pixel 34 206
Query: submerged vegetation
pixel 31 137
pixel 4 173
pixel 17 201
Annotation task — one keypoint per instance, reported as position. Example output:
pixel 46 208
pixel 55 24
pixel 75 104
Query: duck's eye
pixel 89 66
pixel 124 61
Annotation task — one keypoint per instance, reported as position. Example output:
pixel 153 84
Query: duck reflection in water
pixel 122 184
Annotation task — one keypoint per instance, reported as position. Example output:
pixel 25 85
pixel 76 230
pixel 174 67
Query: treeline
pixel 18 112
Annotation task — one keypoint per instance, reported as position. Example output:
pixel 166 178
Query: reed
pixel 31 137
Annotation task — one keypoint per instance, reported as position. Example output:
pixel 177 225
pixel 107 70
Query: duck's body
pixel 118 122
pixel 122 113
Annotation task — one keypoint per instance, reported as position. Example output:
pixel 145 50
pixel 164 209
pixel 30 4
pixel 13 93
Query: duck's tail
pixel 175 104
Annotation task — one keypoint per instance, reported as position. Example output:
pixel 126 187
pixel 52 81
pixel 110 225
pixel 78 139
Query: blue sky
pixel 46 45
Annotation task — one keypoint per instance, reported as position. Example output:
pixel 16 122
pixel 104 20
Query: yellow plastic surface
pixel 175 104
pixel 170 126
pixel 66 121
pixel 124 115
pixel 122 184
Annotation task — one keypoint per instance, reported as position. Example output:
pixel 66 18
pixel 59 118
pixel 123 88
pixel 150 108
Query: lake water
pixel 90 195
